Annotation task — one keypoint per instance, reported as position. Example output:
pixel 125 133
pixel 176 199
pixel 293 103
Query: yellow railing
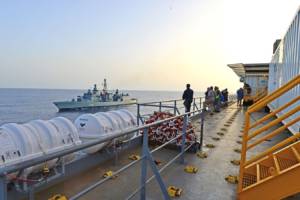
pixel 247 136
pixel 260 94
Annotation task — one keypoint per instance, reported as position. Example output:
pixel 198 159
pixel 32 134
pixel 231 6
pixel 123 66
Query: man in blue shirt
pixel 240 96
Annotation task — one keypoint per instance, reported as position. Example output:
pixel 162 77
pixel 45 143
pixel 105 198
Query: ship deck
pixel 208 183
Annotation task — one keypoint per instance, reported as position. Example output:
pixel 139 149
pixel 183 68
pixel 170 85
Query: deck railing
pixel 251 131
pixel 146 157
pixel 174 106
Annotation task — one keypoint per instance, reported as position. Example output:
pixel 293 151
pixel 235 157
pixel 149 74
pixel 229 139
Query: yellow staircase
pixel 274 173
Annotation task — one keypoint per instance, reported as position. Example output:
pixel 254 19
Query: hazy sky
pixel 136 44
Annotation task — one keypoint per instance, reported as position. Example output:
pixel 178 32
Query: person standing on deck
pixel 210 99
pixel 188 98
pixel 217 102
pixel 240 96
pixel 225 95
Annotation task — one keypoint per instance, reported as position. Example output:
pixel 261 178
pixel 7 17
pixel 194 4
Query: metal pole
pixel 200 103
pixel 159 106
pixel 138 115
pixel 194 105
pixel 3 188
pixel 185 121
pixel 201 128
pixel 157 176
pixel 175 107
pixel 31 194
pixel 144 164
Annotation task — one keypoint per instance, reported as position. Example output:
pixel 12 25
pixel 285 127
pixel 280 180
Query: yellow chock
pixel 46 170
pixel 223 129
pixel 235 162
pixel 237 150
pixel 227 125
pixel 239 142
pixel 210 145
pixel 174 191
pixel 220 133
pixel 191 169
pixel 216 138
pixel 202 154
pixel 58 197
pixel 240 136
pixel 232 179
pixel 109 174
pixel 134 157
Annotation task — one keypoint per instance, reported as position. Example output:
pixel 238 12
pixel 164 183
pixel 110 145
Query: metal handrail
pixel 275 94
pixel 161 104
pixel 34 161
pixel 166 101
pixel 257 106
pixel 145 148
pixel 274 112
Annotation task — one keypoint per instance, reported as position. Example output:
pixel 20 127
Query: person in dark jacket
pixel 188 98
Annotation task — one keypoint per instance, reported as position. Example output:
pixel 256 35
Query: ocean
pixel 23 105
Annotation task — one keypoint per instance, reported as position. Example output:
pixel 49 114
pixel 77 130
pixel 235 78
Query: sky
pixel 136 44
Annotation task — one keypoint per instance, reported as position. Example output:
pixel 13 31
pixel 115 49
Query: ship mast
pixel 105 85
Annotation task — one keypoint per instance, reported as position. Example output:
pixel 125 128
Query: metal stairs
pixel 274 173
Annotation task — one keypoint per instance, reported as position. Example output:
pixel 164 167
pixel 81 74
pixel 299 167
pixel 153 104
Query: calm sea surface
pixel 23 105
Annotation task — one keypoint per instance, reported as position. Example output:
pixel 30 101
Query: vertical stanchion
pixel 201 128
pixel 194 104
pixel 159 106
pixel 185 121
pixel 138 115
pixel 3 188
pixel 31 194
pixel 200 103
pixel 158 177
pixel 175 107
pixel 144 164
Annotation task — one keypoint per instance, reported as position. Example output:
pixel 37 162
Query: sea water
pixel 23 105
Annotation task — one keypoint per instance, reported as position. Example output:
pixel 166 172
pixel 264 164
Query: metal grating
pixel 264 171
pixel 285 163
pixel 248 179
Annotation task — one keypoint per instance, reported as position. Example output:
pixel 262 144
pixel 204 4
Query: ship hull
pixel 83 105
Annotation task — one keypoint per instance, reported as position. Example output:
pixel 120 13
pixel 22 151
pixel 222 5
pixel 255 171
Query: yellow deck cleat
pixel 216 138
pixel 174 191
pixel 210 145
pixel 191 169
pixel 58 197
pixel 232 179
pixel 237 150
pixel 109 174
pixel 134 157
pixel 235 162
pixel 46 170
pixel 202 154
pixel 220 133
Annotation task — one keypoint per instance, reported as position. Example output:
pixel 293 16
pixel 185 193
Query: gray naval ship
pixel 96 99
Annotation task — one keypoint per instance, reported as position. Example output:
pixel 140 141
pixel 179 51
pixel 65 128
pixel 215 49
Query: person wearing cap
pixel 188 98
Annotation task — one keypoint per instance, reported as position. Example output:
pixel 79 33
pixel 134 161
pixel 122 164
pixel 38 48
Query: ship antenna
pixel 105 85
